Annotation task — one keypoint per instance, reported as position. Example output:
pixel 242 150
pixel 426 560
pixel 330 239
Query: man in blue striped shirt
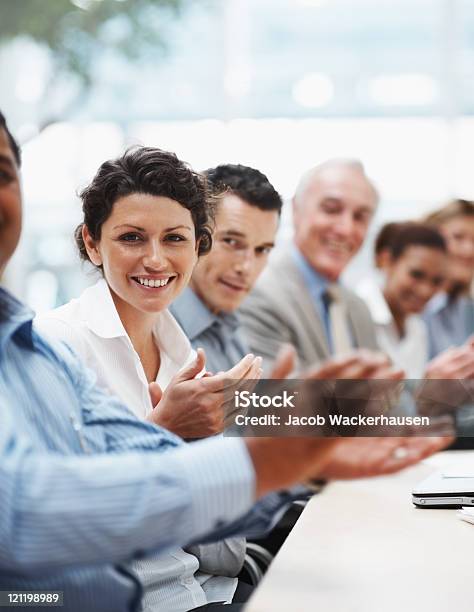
pixel 85 486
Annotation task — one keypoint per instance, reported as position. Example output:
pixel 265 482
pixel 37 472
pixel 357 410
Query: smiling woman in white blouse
pixel 414 269
pixel 147 219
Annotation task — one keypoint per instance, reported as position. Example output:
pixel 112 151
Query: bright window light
pixel 314 90
pixel 404 90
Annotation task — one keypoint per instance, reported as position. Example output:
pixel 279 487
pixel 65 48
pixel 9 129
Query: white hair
pixel 346 163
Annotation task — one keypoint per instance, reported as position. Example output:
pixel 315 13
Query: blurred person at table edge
pixel 450 315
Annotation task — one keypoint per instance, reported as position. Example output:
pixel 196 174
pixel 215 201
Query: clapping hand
pixel 196 407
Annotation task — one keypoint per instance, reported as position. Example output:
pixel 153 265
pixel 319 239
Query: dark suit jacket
pixel 280 310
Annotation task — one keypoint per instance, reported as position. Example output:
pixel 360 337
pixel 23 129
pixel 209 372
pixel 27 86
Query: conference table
pixel 362 546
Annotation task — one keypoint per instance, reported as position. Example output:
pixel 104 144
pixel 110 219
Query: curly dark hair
pixel 11 141
pixel 247 183
pixel 150 171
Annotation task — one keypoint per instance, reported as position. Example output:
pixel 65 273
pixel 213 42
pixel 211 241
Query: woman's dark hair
pixel 150 171
pixel 11 141
pixel 415 234
pixel 385 236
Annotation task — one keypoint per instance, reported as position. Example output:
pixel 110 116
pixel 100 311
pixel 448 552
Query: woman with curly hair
pixel 147 219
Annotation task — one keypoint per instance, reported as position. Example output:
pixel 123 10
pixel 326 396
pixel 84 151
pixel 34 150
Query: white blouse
pixel 176 581
pixel 409 352
pixel 91 326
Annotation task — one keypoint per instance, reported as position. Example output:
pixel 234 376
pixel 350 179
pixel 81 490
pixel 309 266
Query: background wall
pixel 277 84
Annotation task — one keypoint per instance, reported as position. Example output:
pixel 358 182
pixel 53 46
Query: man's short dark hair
pixel 12 142
pixel 415 234
pixel 249 184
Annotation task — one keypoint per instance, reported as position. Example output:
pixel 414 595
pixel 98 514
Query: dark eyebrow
pixel 233 233
pixel 366 209
pixel 237 234
pixel 336 200
pixel 172 229
pixel 331 198
pixel 141 229
pixel 6 160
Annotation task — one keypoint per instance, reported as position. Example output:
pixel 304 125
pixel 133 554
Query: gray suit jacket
pixel 280 310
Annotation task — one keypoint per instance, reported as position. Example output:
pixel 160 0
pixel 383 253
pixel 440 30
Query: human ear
pixel 384 259
pixel 390 264
pixel 91 246
pixel 198 244
pixel 197 256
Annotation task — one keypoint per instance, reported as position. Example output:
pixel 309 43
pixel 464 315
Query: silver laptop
pixel 451 488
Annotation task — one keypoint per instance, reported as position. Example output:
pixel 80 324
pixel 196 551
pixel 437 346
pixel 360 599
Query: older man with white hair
pixel 298 298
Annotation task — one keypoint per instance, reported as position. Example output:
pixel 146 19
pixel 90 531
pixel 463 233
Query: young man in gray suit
pixel 298 299
pixel 247 219
pixel 246 224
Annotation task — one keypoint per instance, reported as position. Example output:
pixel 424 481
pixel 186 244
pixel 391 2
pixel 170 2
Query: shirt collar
pixel 171 339
pixel 195 317
pixel 97 310
pixel 316 283
pixel 437 303
pixel 380 310
pixel 377 304
pixel 15 320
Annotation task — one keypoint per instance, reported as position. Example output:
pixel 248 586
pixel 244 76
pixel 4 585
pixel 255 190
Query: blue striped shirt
pixel 85 486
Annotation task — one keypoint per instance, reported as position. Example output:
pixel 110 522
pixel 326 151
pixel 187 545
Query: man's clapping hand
pixel 356 365
pixel 454 363
pixel 280 462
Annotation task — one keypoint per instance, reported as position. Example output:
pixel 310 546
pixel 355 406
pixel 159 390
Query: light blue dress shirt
pixel 449 322
pixel 85 486
pixel 317 286
pixel 219 335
